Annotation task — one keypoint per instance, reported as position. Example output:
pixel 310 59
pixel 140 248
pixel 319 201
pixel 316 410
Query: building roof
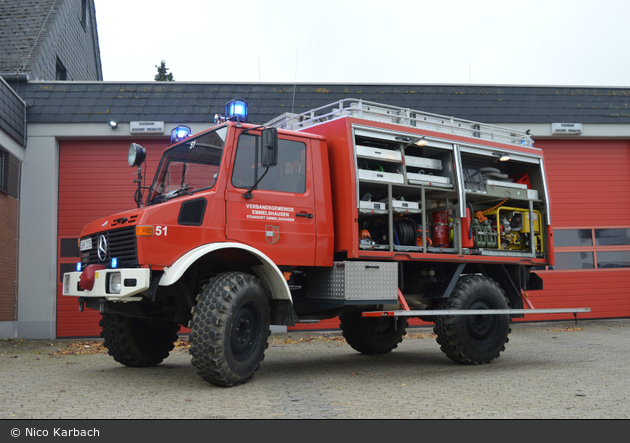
pixel 180 102
pixel 23 28
pixel 38 35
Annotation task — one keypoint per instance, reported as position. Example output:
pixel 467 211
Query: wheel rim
pixel 245 332
pixel 380 326
pixel 481 327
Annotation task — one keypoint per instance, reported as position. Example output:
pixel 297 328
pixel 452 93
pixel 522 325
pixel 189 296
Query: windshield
pixel 189 167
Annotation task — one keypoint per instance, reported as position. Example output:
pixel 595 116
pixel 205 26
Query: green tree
pixel 162 75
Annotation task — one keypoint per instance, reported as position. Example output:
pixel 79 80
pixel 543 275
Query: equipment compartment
pixel 428 195
pixel 355 281
pixel 428 165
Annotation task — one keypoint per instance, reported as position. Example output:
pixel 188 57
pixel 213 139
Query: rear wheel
pixel 372 335
pixel 138 342
pixel 229 329
pixel 474 339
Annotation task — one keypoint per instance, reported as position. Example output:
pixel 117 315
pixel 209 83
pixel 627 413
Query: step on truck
pixel 361 211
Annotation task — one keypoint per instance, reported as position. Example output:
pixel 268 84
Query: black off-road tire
pixel 138 342
pixel 372 335
pixel 229 329
pixel 473 339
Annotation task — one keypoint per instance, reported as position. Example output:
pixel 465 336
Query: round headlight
pixel 137 154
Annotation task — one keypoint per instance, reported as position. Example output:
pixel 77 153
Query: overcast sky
pixel 492 42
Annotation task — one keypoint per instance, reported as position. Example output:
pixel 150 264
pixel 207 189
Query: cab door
pixel 278 216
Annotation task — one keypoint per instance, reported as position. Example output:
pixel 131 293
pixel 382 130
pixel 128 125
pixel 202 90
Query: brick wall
pixel 9 208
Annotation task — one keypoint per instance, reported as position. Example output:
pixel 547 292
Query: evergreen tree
pixel 162 75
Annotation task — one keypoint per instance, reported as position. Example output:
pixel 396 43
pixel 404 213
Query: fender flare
pixel 270 275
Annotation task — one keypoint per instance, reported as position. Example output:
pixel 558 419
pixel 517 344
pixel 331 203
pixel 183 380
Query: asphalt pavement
pixel 549 370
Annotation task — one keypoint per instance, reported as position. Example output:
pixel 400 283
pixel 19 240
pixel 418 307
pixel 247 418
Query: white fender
pixel 268 272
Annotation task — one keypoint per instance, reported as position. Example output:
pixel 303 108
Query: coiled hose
pixel 406 231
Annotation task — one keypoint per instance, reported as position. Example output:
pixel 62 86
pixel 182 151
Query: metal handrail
pixel 401 116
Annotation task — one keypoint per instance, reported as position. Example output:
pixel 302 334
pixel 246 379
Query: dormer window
pixel 84 13
pixel 60 71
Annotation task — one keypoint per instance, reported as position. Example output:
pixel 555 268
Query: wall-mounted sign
pixel 147 127
pixel 566 128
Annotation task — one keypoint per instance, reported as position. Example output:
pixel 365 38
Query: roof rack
pixel 401 116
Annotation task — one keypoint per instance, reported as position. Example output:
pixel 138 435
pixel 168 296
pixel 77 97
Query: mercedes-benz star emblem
pixel 102 248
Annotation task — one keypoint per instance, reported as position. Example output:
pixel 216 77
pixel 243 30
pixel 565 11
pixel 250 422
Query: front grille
pixel 121 244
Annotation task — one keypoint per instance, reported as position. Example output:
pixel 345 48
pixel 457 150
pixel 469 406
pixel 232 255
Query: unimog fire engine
pixel 362 211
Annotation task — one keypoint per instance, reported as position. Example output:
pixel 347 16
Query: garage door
pixel 95 181
pixel 589 185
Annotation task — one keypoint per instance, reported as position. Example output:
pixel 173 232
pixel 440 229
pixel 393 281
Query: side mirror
pixel 269 147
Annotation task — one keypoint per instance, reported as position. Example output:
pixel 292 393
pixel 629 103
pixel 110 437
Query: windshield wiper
pixel 171 194
pixel 177 193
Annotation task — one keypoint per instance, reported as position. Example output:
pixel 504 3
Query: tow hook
pixel 81 303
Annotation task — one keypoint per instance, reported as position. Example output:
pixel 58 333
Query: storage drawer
pixel 506 192
pixel 506 184
pixel 379 154
pixel 355 281
pixel 386 177
pixel 422 162
pixel 429 179
pixel 373 206
pixel 405 205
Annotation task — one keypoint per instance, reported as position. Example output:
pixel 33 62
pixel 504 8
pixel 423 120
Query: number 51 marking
pixel 161 230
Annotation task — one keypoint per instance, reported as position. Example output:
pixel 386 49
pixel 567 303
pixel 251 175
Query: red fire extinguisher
pixel 440 228
pixel 467 237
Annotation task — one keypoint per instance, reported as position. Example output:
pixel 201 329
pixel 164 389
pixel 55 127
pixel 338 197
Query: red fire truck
pixel 362 211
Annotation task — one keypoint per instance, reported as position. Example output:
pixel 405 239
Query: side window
pixel 289 175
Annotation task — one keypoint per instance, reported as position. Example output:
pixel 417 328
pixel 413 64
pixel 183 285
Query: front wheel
pixel 474 339
pixel 229 329
pixel 138 342
pixel 372 335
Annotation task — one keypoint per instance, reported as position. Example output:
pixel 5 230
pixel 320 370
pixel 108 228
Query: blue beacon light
pixel 114 263
pixel 180 133
pixel 237 108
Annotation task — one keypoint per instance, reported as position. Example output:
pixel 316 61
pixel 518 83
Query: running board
pixel 427 313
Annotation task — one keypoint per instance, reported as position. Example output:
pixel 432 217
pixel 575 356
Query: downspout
pixel 17 234
pixel 17 249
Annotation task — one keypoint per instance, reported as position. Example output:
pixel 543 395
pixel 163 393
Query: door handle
pixel 303 214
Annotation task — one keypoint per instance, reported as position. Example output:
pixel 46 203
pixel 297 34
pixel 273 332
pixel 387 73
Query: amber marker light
pixel 144 231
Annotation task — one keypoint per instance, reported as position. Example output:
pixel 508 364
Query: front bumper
pixel 133 281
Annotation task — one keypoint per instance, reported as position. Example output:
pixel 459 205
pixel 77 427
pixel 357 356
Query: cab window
pixel 287 176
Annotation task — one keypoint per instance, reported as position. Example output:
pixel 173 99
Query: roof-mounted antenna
pixel 295 81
